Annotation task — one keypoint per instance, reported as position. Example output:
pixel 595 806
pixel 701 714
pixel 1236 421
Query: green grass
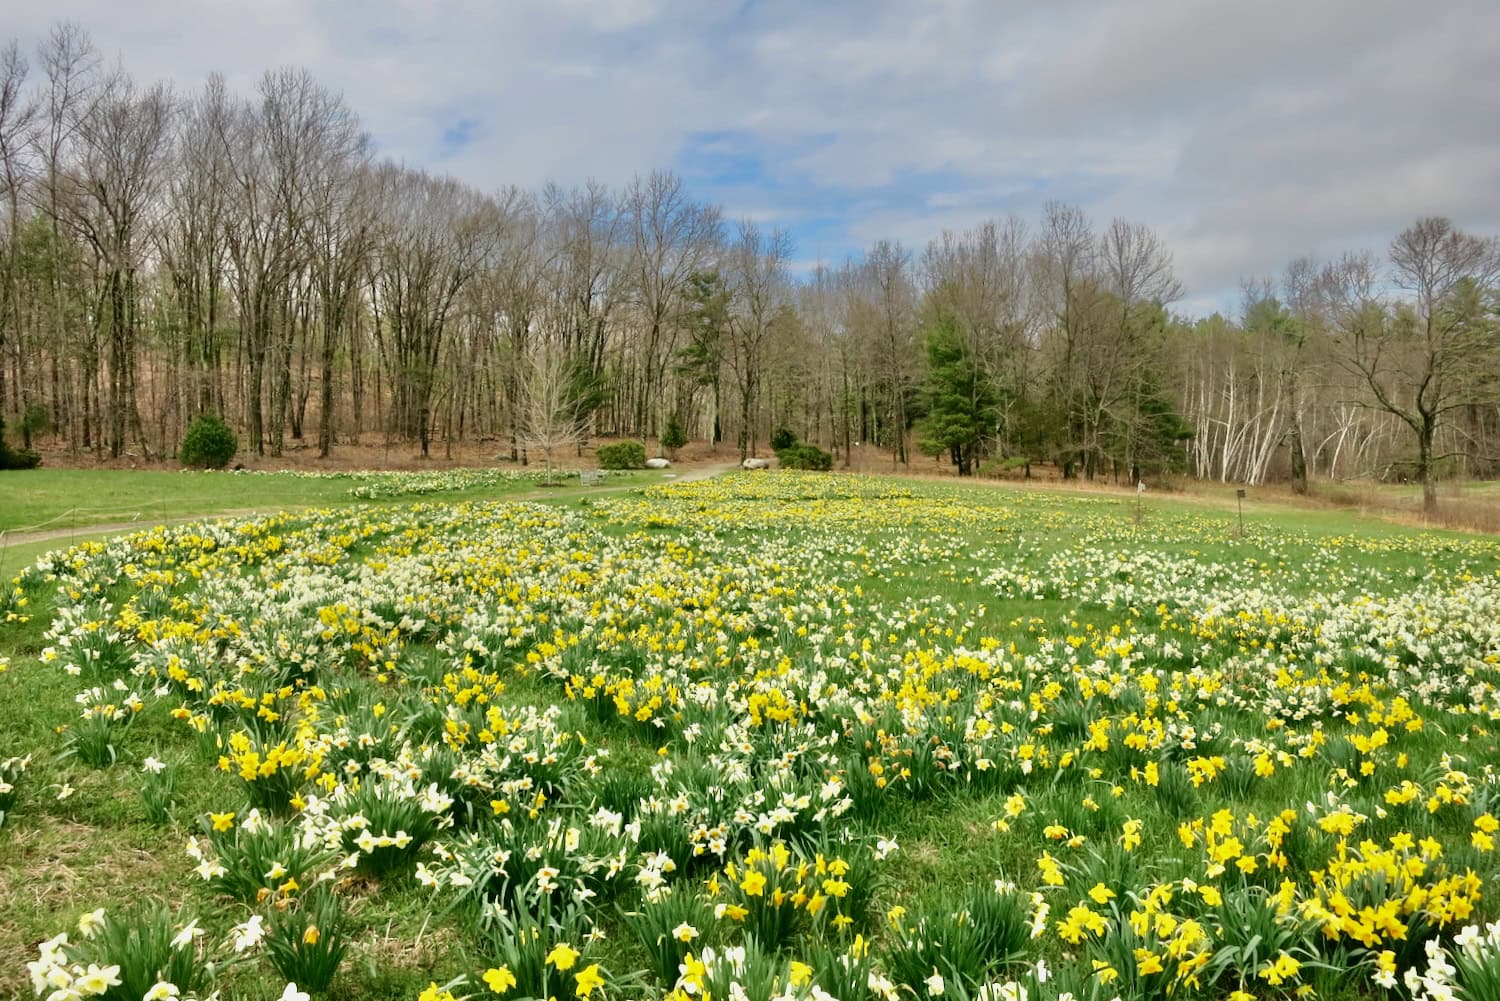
pixel 54 499
pixel 42 499
pixel 68 505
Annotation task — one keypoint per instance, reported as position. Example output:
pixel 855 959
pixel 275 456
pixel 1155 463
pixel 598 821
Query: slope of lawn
pixel 41 499
pixel 764 736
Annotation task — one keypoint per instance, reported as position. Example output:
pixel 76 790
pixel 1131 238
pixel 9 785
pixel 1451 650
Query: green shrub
pixel 209 443
pixel 782 439
pixel 622 455
pixel 805 456
pixel 11 458
pixel 673 437
pixel 36 420
pixel 23 458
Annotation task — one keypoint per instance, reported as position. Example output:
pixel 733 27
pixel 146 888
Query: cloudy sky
pixel 1246 132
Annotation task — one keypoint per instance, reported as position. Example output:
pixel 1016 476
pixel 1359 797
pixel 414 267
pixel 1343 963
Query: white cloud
pixel 1248 133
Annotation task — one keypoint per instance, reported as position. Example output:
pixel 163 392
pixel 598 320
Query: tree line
pixel 168 255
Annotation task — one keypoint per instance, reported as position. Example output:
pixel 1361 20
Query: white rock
pixel 658 464
pixel 756 464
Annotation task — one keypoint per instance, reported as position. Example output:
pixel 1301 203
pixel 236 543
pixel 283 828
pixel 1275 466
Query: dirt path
pixel 8 539
pixel 115 527
pixel 706 472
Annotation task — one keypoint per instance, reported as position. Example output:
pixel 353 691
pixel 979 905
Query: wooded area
pixel 165 255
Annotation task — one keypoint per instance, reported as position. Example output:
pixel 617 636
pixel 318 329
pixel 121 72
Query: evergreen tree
pixel 962 405
pixel 705 317
pixel 1157 435
pixel 672 437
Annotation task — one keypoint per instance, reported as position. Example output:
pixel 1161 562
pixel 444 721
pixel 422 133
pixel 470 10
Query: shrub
pixel 805 457
pixel 622 455
pixel 23 458
pixel 673 437
pixel 782 439
pixel 11 458
pixel 209 443
pixel 36 420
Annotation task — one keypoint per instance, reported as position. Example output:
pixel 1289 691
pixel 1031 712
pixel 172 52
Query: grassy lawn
pixel 43 499
pixel 48 498
pixel 872 731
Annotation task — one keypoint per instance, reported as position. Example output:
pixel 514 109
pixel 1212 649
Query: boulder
pixel 658 464
pixel 756 464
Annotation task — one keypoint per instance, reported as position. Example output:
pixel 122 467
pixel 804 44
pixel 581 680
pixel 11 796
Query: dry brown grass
pixel 50 866
pixel 395 947
pixel 374 453
pixel 1462 507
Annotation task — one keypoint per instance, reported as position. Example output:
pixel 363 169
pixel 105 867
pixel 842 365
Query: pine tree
pixel 963 407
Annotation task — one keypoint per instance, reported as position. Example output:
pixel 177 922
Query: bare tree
pixel 124 142
pixel 553 417
pixel 17 112
pixel 339 235
pixel 672 238
pixel 819 303
pixel 587 272
pixel 758 284
pixel 71 66
pixel 1139 283
pixel 260 244
pixel 313 145
pixel 1256 364
pixel 1065 260
pixel 511 294
pixel 192 241
pixel 436 235
pixel 1433 355
pixel 887 279
pixel 1305 339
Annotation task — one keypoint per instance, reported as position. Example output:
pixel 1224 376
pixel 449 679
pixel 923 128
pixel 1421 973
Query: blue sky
pixel 1245 133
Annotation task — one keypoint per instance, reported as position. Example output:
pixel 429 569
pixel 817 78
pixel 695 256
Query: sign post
pixel 1239 500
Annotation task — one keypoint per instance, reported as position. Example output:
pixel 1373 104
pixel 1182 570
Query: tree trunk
pixel 1425 471
pixel 1299 457
pixel 325 393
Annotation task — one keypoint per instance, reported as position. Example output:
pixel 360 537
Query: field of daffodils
pixel 775 736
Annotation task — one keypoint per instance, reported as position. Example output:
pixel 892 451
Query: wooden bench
pixel 590 477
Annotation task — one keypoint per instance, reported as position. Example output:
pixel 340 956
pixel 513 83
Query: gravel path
pixel 705 472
